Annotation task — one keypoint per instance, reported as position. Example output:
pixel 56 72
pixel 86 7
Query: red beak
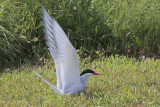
pixel 96 73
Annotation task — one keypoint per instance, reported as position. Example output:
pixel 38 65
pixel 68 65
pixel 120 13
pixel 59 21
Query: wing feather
pixel 63 53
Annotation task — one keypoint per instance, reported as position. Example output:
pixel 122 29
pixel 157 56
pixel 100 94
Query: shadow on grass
pixel 12 65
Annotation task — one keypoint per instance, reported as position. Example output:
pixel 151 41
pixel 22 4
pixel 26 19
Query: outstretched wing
pixel 63 53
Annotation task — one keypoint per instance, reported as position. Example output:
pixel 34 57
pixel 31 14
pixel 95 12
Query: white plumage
pixel 65 58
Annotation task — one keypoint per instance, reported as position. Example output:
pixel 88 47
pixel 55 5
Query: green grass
pixel 108 25
pixel 123 82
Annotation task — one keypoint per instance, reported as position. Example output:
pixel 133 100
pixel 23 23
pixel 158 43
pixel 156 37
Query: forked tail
pixel 57 91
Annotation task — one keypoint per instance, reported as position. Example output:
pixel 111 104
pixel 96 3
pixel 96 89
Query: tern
pixel 69 79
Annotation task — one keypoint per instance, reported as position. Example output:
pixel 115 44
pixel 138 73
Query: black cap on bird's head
pixel 88 71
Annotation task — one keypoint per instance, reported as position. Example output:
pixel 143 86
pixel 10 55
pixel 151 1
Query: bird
pixel 66 61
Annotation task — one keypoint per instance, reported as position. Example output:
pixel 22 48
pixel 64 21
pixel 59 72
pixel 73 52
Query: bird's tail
pixel 57 91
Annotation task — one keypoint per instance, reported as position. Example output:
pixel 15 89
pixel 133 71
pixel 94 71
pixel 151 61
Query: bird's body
pixel 65 58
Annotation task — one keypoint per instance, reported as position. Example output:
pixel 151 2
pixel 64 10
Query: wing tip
pixel 42 8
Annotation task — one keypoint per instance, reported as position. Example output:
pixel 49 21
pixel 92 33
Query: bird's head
pixel 86 74
pixel 89 72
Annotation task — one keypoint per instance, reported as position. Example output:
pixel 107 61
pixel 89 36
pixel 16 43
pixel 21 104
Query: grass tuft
pixel 119 27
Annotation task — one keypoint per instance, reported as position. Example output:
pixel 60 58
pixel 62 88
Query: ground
pixel 123 81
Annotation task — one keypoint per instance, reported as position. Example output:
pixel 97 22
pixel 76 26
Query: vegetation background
pixel 114 26
pixel 97 29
